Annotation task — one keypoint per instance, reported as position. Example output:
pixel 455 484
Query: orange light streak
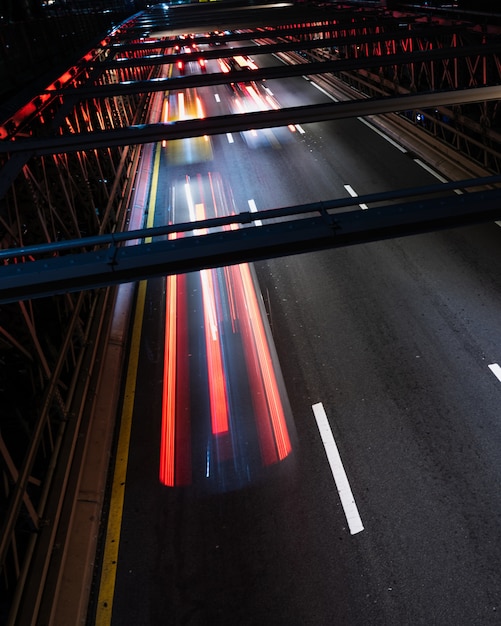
pixel 223 66
pixel 200 108
pixel 183 426
pixel 175 439
pixel 181 107
pixel 215 370
pixel 262 375
pixel 165 116
pixel 167 443
pixel 255 96
pixel 231 299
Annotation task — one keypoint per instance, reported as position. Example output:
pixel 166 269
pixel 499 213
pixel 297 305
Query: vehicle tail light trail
pixel 226 417
pixel 270 418
pixel 175 443
pixel 169 399
pixel 215 370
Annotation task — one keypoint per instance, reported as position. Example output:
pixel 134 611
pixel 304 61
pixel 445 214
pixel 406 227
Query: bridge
pixel 77 162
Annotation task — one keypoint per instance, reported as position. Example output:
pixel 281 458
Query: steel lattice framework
pixel 68 159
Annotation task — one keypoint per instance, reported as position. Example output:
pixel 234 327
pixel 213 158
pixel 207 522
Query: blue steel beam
pixel 216 125
pixel 320 229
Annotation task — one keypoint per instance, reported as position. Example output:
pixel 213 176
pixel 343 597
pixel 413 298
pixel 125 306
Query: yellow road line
pixel 112 543
pixel 110 559
pixel 153 190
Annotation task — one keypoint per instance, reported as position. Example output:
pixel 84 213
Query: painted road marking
pixel 229 137
pixel 217 98
pixel 253 209
pixel 337 468
pixel 496 370
pixel 438 176
pixel 113 530
pixel 354 194
pixel 110 557
pixel 381 134
pixel 323 91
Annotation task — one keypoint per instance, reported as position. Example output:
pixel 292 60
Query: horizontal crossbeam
pixel 321 229
pixel 149 133
pixel 274 72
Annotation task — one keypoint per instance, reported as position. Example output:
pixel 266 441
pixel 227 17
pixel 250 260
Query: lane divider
pixel 354 194
pixel 337 469
pixel 253 209
pixel 496 370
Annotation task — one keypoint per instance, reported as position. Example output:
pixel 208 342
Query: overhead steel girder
pixel 332 25
pixel 284 46
pixel 222 124
pixel 322 230
pixel 278 71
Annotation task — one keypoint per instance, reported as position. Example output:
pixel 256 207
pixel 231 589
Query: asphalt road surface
pixel 395 339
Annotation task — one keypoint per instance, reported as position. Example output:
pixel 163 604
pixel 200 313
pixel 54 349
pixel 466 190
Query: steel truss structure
pixel 68 159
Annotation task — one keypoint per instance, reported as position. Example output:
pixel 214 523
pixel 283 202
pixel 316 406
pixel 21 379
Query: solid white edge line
pixel 431 170
pixel 436 174
pixel 324 92
pixel 381 134
pixel 496 370
pixel 337 469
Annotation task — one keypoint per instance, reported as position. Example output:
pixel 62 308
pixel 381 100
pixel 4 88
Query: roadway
pixel 395 340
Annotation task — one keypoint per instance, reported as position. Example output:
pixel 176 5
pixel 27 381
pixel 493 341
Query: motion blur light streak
pixel 167 449
pixel 226 418
pixel 200 109
pixel 165 116
pixel 217 382
pixel 181 108
pixel 175 445
pixel 260 366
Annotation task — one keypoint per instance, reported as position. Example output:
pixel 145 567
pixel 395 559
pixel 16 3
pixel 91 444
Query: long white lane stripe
pixel 324 92
pixel 337 468
pixel 496 370
pixel 381 134
pixel 429 169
